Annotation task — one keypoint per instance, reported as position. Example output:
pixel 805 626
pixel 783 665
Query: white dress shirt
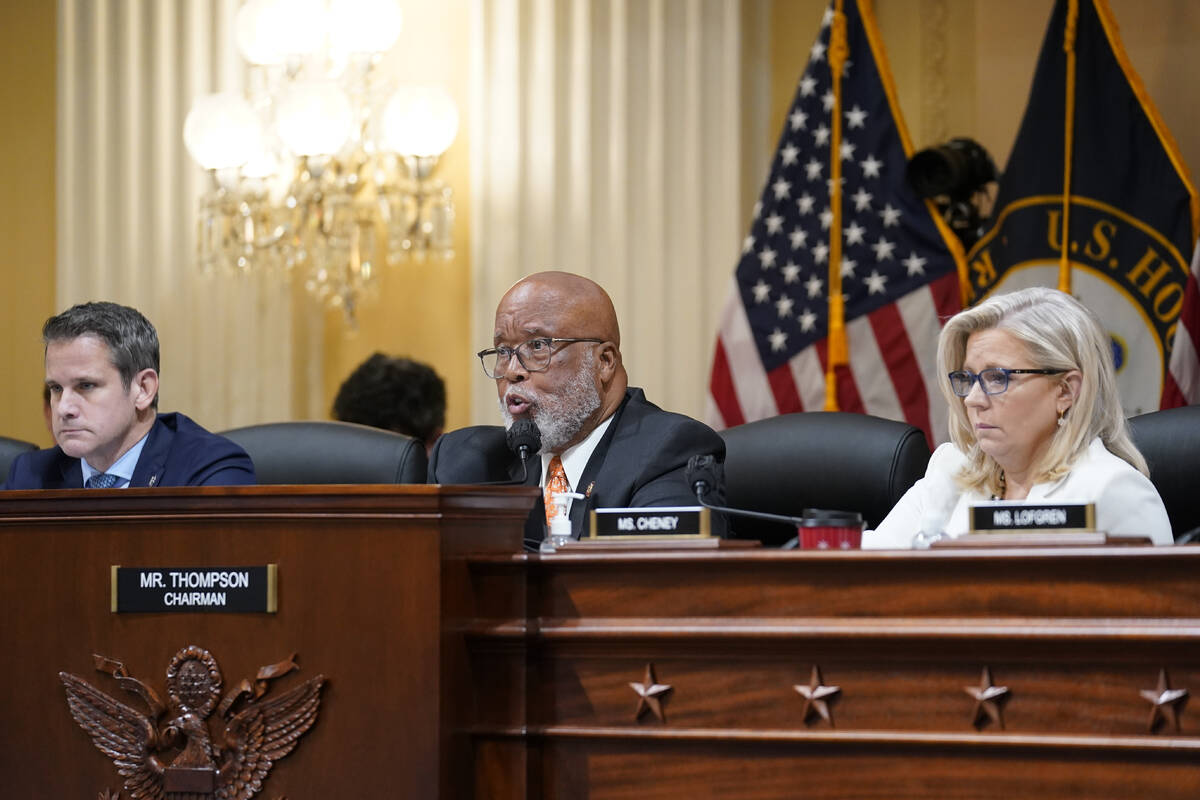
pixel 123 467
pixel 1126 501
pixel 575 458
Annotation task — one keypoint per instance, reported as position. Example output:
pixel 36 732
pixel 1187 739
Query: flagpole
pixel 1064 264
pixel 838 354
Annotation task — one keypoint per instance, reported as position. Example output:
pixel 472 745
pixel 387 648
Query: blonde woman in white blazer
pixel 1034 416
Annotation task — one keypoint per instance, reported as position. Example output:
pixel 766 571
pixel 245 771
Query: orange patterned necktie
pixel 556 481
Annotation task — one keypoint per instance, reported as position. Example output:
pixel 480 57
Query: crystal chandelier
pixel 322 169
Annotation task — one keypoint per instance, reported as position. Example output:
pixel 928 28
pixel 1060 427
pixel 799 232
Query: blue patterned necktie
pixel 101 480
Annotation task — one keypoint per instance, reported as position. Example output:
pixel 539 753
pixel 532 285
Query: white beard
pixel 560 417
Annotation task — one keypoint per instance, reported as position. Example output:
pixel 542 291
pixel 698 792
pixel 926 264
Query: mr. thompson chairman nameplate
pixel 238 590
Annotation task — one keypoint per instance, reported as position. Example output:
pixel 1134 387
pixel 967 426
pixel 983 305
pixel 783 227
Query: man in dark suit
pixel 102 373
pixel 556 360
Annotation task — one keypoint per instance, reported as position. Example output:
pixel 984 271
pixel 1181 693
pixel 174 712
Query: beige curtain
pixel 127 194
pixel 607 139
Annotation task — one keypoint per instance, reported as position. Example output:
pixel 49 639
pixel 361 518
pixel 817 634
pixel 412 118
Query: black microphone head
pixel 523 437
pixel 701 473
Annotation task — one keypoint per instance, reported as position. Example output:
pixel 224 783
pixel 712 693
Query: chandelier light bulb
pixel 273 31
pixel 419 121
pixel 256 40
pixel 316 176
pixel 364 26
pixel 222 131
pixel 314 118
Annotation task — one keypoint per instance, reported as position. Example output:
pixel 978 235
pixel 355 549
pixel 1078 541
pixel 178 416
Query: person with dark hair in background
pixel 102 378
pixel 396 394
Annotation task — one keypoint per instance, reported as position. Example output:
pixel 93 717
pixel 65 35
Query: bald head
pixel 560 305
pixel 576 302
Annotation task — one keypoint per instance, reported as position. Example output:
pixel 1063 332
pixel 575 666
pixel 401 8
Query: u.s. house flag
pixel 1123 241
pixel 837 214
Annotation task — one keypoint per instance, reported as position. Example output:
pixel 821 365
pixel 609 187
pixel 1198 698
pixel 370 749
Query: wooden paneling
pixel 458 667
pixel 360 600
pixel 1075 636
pixel 648 770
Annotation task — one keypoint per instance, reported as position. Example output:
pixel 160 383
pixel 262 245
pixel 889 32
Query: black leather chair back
pixel 819 459
pixel 1170 441
pixel 330 452
pixel 9 450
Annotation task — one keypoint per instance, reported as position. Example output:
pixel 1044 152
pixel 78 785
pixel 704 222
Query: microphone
pixel 702 474
pixel 523 438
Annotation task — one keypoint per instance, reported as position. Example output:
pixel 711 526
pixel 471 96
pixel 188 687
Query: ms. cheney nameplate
pixel 658 522
pixel 239 590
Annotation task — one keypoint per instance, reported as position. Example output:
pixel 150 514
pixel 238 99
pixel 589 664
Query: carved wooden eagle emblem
pixel 169 748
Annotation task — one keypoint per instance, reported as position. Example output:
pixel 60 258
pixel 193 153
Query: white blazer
pixel 1126 501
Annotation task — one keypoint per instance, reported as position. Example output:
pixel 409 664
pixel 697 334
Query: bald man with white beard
pixel 556 360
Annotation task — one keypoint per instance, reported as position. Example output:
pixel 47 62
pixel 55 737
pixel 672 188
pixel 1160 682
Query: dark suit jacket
pixel 178 452
pixel 640 461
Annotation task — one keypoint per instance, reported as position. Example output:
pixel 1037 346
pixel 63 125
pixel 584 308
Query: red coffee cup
pixel 823 529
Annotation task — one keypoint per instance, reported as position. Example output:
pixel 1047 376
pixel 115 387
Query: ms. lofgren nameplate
pixel 239 590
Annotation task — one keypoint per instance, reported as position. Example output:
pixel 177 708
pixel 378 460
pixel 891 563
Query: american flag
pixel 899 265
pixel 1183 378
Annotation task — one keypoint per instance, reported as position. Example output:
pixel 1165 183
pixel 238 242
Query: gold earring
pixel 1062 418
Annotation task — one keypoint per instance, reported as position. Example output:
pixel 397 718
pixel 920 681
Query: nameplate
pixel 237 590
pixel 687 522
pixel 1017 517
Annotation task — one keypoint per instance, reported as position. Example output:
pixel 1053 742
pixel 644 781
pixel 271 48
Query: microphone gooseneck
pixel 701 475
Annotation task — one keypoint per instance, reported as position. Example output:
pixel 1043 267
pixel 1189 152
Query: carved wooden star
pixel 649 695
pixel 815 695
pixel 989 701
pixel 1165 702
